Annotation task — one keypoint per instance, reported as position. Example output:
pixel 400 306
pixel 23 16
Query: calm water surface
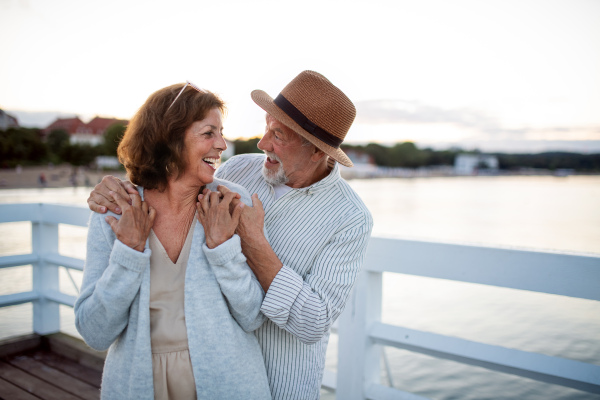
pixel 543 213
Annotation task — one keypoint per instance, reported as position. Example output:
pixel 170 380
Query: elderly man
pixel 317 226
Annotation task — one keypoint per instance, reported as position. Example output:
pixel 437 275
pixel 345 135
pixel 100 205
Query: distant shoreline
pixel 58 176
pixel 65 175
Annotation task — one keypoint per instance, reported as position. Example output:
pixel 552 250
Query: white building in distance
pixel 470 164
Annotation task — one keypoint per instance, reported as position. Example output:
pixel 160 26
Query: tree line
pixel 408 155
pixel 27 146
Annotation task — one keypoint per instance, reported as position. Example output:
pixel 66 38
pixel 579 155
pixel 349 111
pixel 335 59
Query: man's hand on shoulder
pixel 100 199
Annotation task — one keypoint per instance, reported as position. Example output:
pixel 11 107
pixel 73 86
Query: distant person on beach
pixel 165 285
pixel 318 228
pixel 42 180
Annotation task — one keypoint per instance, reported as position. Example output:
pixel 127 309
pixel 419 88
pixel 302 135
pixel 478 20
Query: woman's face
pixel 204 144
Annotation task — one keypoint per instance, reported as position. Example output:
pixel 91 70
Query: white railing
pixel 361 332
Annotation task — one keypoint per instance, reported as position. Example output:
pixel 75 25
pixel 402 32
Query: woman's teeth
pixel 212 161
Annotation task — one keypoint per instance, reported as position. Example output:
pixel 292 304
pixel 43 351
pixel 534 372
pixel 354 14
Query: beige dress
pixel 173 375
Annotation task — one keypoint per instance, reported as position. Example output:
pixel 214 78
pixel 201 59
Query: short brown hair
pixel 153 144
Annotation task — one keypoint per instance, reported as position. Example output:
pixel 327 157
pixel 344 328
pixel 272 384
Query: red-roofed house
pixel 99 124
pixel 70 125
pixel 91 133
pixel 96 128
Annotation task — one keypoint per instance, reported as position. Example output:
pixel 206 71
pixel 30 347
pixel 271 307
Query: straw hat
pixel 315 109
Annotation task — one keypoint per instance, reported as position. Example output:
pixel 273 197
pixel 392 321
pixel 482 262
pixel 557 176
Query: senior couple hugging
pixel 196 288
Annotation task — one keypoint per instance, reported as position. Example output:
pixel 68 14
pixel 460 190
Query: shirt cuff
pixel 129 258
pixel 225 252
pixel 281 295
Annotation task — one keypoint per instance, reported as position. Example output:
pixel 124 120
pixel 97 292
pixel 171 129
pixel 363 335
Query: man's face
pixel 287 159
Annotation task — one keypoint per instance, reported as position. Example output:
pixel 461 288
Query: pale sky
pixel 499 75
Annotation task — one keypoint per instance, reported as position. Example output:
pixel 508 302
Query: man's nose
pixel 264 143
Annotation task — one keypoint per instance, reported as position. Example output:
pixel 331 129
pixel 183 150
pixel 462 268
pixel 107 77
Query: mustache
pixel 272 156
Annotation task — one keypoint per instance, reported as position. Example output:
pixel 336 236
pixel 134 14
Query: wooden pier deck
pixel 55 366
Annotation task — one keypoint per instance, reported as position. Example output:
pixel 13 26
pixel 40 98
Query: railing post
pixel 359 362
pixel 44 240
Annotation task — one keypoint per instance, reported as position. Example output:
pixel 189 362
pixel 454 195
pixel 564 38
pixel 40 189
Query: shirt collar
pixel 325 183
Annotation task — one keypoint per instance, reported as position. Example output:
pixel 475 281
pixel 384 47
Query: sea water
pixel 539 213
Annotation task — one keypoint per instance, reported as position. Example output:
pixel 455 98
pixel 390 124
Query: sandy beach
pixel 52 176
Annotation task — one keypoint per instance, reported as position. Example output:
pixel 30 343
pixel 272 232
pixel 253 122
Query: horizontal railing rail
pixel 361 332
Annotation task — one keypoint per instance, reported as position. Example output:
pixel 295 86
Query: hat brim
pixel 265 102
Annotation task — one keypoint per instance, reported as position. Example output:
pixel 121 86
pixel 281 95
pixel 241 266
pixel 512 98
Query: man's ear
pixel 317 154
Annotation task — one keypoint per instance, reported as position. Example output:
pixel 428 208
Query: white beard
pixel 274 177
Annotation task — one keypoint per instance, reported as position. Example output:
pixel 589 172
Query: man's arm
pixel 100 199
pixel 260 256
pixel 305 306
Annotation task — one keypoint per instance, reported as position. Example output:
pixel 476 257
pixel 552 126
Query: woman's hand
pixel 213 213
pixel 136 220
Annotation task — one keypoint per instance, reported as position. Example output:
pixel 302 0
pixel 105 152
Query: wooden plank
pixel 75 349
pixel 12 392
pixel 19 344
pixel 33 385
pixel 55 377
pixel 83 373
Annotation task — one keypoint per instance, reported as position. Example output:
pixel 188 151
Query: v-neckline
pixel 163 251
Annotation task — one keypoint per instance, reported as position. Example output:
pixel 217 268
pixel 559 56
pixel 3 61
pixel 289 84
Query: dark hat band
pixel 305 123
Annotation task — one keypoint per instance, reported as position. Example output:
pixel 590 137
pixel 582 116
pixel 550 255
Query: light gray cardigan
pixel 222 308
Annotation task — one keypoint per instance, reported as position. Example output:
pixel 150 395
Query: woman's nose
pixel 220 143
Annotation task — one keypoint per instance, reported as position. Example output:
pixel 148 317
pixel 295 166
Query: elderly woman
pixel 170 295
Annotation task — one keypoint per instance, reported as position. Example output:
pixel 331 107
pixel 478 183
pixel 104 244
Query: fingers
pixel 225 190
pixel 237 213
pixel 95 207
pixel 214 198
pixel 111 183
pixel 228 197
pixel 112 221
pixel 152 215
pixel 120 200
pixel 129 187
pixel 100 201
pixel 135 199
pixel 256 202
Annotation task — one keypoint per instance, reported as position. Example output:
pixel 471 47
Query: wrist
pixel 211 243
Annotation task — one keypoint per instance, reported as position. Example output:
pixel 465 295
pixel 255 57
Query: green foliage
pixel 80 154
pixel 405 155
pixel 246 146
pixel 112 138
pixel 551 160
pixel 57 140
pixel 21 146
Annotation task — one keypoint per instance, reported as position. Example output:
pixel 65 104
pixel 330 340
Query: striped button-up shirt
pixel 320 234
